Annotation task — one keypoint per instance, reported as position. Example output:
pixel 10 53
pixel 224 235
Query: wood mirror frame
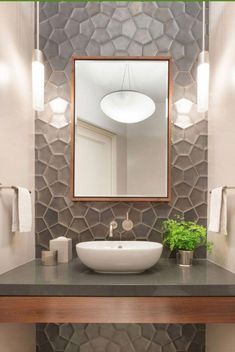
pixel 116 198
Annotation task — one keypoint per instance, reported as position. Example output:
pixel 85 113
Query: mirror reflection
pixel 121 135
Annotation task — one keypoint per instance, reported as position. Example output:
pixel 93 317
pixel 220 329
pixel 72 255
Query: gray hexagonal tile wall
pixel 119 28
pixel 120 337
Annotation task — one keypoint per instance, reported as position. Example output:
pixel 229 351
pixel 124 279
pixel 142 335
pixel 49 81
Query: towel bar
pixel 9 187
pixel 228 187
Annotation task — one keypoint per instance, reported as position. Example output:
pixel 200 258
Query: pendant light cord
pixel 203 24
pixel 129 77
pixel 37 25
pixel 126 71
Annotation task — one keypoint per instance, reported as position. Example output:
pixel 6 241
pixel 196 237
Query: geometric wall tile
pixel 120 337
pixel 58 36
pixel 79 224
pixel 183 162
pixel 79 14
pixel 121 43
pixel 163 15
pixel 100 36
pixel 184 79
pixel 138 7
pixel 114 28
pixel 118 28
pixel 164 43
pixel 91 8
pixel 156 29
pixel 183 121
pixel 71 28
pixel 177 50
pixel 191 176
pixel 183 106
pixel 194 9
pixel 197 196
pixel 121 14
pixel 142 36
pixel 142 20
pixel 100 20
pixel 171 28
pixel 65 217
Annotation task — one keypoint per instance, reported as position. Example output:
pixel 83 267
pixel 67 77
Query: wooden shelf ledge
pixel 117 309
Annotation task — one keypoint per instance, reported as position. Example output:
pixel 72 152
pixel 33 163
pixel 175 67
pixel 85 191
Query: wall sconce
pixel 38 80
pixel 58 107
pixel 37 71
pixel 203 70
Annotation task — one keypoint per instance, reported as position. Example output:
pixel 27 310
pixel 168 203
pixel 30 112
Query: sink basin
pixel 119 256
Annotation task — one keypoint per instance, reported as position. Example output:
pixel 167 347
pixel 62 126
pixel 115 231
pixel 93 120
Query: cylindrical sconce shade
pixel 203 71
pixel 38 80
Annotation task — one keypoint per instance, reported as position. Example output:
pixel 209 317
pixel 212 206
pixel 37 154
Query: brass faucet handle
pixel 113 224
pixel 127 224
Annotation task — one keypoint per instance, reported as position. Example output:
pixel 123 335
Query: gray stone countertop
pixel 73 279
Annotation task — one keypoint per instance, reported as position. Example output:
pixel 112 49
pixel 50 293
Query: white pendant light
pixel 203 71
pixel 127 106
pixel 37 71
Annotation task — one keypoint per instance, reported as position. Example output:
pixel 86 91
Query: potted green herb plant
pixel 185 237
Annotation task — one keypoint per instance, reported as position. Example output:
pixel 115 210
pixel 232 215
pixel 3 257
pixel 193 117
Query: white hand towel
pixel 218 211
pixel 15 213
pixel 21 211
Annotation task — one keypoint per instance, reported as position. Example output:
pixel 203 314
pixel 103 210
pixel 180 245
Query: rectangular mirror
pixel 121 128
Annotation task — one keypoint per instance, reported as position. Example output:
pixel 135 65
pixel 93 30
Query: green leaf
pixel 184 235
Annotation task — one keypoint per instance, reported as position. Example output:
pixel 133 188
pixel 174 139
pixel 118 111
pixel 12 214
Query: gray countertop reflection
pixel 73 279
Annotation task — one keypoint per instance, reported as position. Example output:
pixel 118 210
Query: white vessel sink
pixel 119 256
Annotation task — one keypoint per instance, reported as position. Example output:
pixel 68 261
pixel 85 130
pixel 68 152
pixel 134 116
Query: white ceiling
pixel 148 77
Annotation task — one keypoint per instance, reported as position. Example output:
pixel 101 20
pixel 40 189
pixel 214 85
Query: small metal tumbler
pixel 49 257
pixel 185 258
